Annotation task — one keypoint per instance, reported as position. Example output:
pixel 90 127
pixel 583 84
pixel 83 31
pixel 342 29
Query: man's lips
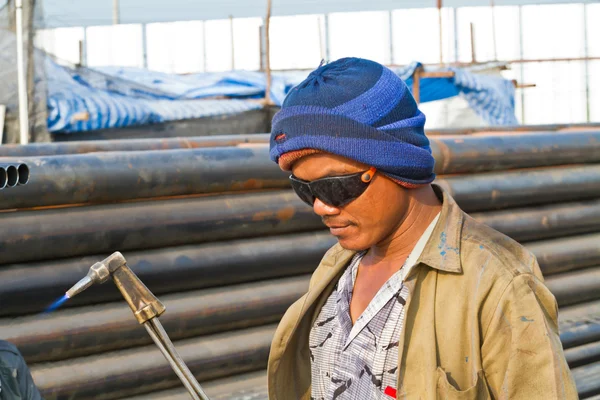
pixel 338 229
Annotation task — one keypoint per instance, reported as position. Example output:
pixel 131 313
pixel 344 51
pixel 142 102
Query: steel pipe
pixel 587 381
pixel 85 331
pixel 86 146
pixel 497 190
pixel 69 232
pixel 535 223
pixel 249 386
pixel 565 254
pixel 453 154
pixel 3 178
pixel 143 370
pixel 582 355
pixel 111 177
pixel 579 314
pixel 30 288
pixel 212 264
pixel 585 332
pixel 13 174
pixel 472 154
pixel 575 287
pixel 118 176
pixel 23 171
pixel 542 128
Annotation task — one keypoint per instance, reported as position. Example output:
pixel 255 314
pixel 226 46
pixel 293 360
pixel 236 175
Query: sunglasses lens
pixel 303 191
pixel 339 191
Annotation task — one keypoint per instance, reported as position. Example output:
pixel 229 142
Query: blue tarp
pixel 115 97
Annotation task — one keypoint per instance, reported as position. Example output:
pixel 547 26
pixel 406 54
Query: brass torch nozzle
pixel 140 299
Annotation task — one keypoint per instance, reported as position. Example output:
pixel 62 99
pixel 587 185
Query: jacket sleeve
pixel 522 355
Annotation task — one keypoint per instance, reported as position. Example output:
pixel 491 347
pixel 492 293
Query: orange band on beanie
pixel 287 160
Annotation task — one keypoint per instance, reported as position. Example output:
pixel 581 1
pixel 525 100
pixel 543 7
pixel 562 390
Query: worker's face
pixel 366 221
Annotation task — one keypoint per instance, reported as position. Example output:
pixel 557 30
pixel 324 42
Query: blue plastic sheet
pixel 113 97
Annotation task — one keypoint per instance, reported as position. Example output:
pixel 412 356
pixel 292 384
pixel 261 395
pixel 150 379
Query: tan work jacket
pixel 480 323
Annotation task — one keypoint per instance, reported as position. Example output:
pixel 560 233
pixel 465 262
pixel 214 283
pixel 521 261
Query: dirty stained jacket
pixel 480 323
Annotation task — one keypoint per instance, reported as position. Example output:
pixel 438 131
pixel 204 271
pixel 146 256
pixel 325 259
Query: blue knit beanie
pixel 360 110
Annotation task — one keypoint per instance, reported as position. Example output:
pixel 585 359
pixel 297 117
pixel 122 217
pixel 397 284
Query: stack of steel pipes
pixel 218 236
pixel 13 174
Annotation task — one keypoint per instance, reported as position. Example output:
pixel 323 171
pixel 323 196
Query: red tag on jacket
pixel 390 391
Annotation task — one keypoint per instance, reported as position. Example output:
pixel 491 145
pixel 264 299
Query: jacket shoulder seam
pixel 500 297
pixel 513 272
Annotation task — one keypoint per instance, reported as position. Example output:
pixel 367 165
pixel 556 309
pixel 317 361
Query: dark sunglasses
pixel 336 191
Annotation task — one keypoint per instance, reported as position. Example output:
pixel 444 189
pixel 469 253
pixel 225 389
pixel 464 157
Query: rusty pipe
pixel 582 355
pixel 93 146
pixel 473 154
pixel 101 328
pixel 542 128
pixel 3 177
pixel 586 379
pixel 496 190
pixel 582 333
pixel 90 178
pixel 544 222
pixel 30 288
pixel 575 287
pixel 13 174
pixel 248 386
pixel 212 264
pixel 23 171
pixel 143 369
pixel 453 154
pixel 112 177
pixel 566 254
pixel 578 314
pixel 69 232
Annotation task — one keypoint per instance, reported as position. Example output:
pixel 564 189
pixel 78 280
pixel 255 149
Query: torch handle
pixel 150 328
pixel 171 348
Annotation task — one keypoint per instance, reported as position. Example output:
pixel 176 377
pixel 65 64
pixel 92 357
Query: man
pixel 15 379
pixel 417 300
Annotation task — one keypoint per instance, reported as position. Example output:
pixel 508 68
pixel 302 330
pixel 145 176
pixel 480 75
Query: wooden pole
pixel 268 55
pixel 417 84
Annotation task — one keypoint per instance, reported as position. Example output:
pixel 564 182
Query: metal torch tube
pixel 181 364
pixel 157 340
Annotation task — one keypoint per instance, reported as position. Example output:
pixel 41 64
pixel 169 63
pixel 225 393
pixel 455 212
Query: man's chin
pixel 351 244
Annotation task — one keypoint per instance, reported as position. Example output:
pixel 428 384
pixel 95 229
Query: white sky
pixel 549 31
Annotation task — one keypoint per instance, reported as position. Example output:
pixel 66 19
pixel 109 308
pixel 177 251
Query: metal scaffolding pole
pixel 21 76
pixel 116 16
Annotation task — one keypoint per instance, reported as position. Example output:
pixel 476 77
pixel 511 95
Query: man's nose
pixel 323 209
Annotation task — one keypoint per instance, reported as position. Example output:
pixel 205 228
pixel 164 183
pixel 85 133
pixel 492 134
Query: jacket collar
pixel 442 251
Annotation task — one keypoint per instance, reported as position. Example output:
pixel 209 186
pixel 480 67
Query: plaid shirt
pixel 360 361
